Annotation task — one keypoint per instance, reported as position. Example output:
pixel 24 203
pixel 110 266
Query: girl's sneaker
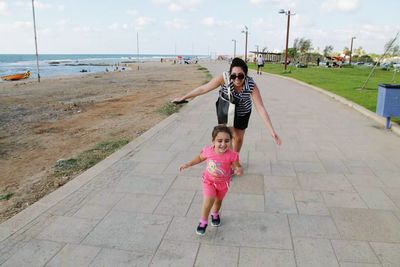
pixel 201 229
pixel 215 220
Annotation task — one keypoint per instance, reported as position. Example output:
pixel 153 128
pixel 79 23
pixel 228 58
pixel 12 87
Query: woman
pixel 245 92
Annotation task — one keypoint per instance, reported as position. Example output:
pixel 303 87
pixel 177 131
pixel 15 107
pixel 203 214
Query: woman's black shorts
pixel 241 122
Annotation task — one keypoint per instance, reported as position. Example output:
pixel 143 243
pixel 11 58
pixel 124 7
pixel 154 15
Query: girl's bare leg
pixel 217 205
pixel 208 202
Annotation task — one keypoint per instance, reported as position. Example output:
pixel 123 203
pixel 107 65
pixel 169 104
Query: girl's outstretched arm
pixel 198 159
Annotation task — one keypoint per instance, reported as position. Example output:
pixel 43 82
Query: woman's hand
pixel 277 140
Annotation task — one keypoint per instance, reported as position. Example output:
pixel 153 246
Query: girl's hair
pixel 238 62
pixel 221 129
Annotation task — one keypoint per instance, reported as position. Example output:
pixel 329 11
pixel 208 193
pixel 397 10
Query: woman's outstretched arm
pixel 205 88
pixel 258 102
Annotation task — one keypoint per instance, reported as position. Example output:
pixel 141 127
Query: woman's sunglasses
pixel 240 76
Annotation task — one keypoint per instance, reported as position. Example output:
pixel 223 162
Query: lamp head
pixel 282 11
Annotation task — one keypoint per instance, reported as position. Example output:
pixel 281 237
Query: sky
pixel 202 27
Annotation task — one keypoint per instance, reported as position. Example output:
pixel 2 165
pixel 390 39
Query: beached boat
pixel 16 77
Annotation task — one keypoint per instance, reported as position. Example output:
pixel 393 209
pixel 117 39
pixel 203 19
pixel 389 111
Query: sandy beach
pixel 58 118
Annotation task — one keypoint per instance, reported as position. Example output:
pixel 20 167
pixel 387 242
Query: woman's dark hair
pixel 238 62
pixel 221 128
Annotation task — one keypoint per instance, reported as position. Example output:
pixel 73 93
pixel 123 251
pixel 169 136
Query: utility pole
pixel 351 49
pixel 288 14
pixel 36 47
pixel 234 48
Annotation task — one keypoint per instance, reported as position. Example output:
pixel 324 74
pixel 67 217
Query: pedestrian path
pixel 329 196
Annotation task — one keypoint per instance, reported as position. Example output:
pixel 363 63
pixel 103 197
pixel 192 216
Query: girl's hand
pixel 238 170
pixel 183 166
pixel 277 140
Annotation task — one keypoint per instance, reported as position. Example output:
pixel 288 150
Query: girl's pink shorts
pixel 217 190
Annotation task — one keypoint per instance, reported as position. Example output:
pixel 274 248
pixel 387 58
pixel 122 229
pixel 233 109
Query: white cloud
pixel 3 8
pixel 42 5
pixel 132 12
pixel 178 24
pixel 208 21
pixel 340 5
pixel 61 7
pixel 116 26
pixel 179 5
pixel 142 22
pixel 22 25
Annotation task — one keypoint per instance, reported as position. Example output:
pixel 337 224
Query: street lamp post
pixel 257 47
pixel 245 31
pixel 351 49
pixel 234 48
pixel 288 14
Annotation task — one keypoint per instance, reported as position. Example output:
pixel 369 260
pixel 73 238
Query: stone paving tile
pixel 280 201
pixel 120 258
pixel 74 255
pixel 312 208
pixel 352 264
pixel 145 168
pixel 389 178
pixel 149 155
pixel 313 226
pixel 281 182
pixel 325 182
pixel 308 167
pixel 138 203
pixel 175 202
pixel 314 253
pixel 212 255
pixel 184 182
pixel 157 185
pixel 366 224
pixel 364 180
pixel 175 253
pixel 344 200
pixel 243 202
pixel 247 184
pixel 388 253
pixel 393 194
pixel 354 251
pixel 282 168
pixel 90 211
pixel 4 233
pixel 34 253
pixel 129 231
pixel 260 257
pixel 335 166
pixel 60 231
pixel 375 198
pixel 254 230
pixel 105 198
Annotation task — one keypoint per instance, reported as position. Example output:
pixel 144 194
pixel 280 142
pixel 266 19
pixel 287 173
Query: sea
pixel 51 65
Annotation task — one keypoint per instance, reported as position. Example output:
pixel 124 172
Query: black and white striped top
pixel 242 99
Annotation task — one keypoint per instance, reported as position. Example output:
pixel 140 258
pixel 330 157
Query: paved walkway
pixel 329 196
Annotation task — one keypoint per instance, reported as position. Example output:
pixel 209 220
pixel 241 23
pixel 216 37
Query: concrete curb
pixel 382 121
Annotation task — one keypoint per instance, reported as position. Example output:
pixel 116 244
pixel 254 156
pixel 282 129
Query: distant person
pixel 318 60
pixel 260 64
pixel 221 160
pixel 245 92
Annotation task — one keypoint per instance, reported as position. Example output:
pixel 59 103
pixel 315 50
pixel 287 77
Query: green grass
pixel 169 108
pixel 86 159
pixel 6 196
pixel 345 82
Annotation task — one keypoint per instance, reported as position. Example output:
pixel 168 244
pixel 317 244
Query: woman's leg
pixel 238 136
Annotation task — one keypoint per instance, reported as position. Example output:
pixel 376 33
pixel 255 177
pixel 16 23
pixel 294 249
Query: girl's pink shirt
pixel 218 167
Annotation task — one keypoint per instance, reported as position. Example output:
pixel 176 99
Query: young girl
pixel 221 160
